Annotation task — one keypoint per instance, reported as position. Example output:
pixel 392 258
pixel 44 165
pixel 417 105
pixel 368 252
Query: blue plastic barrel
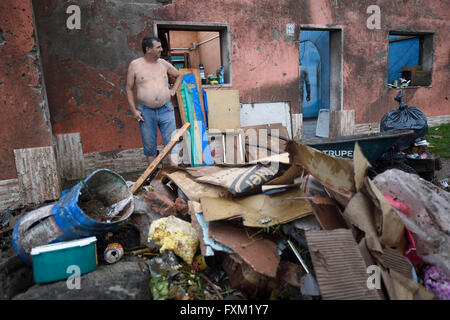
pixel 68 221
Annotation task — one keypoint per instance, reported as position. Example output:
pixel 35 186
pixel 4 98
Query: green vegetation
pixel 439 139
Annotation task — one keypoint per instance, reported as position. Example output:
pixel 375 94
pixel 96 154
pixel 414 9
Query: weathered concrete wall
pixel 24 117
pixel 85 69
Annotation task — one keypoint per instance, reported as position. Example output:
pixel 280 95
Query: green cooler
pixel 58 261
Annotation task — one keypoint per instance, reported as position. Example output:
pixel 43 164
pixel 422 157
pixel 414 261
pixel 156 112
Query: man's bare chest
pixel 146 73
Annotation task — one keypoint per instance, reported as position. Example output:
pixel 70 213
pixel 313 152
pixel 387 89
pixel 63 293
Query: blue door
pixel 310 61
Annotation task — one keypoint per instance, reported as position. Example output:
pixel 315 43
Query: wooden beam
pixel 159 158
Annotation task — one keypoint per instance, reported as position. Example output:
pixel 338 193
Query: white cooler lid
pixel 63 245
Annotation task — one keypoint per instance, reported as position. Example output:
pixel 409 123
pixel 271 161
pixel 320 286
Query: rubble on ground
pixel 220 232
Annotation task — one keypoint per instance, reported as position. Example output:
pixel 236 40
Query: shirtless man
pixel 152 107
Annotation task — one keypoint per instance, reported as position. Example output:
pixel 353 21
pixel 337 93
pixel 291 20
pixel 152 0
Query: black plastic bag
pixel 405 118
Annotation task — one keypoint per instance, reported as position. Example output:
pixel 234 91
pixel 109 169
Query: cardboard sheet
pixel 258 210
pixel 361 164
pixel 387 221
pixel 327 213
pixel 339 266
pixel 359 212
pixel 223 109
pixel 336 174
pixel 242 180
pixel 192 189
pixel 258 251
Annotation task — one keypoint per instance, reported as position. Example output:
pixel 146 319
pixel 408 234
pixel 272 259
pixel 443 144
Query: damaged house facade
pixel 62 86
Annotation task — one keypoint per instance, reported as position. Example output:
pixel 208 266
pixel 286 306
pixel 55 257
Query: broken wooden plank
pixel 70 156
pixel 38 174
pixel 152 167
pixel 123 161
pixel 10 198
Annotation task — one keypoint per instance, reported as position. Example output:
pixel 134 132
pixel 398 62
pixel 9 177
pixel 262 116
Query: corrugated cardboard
pixel 258 210
pixel 339 266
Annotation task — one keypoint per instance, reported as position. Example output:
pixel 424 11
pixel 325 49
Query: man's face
pixel 156 50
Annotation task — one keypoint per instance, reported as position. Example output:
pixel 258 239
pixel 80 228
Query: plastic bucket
pixel 65 220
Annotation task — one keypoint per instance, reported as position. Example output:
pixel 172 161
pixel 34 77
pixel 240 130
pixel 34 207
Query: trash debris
pixel 256 209
pixel 113 252
pixel 346 270
pixel 336 174
pixel 177 235
pixel 257 250
pixel 309 286
pixel 65 220
pixel 436 281
pixel 410 118
pixel 242 181
pixel 428 221
pixel 51 262
pixel 193 189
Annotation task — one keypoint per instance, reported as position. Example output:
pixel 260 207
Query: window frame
pixel 224 36
pixel 426 53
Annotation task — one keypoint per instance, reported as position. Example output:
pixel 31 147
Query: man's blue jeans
pixel 163 118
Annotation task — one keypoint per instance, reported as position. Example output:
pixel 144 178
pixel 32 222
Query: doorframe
pixel 336 63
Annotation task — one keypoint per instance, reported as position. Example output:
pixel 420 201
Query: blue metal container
pixel 67 221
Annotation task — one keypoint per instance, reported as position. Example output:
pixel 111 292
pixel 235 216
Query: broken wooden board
pixel 152 167
pixel 256 250
pixel 223 109
pixel 258 210
pixel 70 156
pixel 339 266
pixel 37 174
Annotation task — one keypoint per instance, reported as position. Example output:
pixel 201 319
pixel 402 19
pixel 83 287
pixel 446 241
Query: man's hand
pixel 138 115
pixel 172 92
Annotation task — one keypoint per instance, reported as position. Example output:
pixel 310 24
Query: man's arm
pixel 130 94
pixel 171 70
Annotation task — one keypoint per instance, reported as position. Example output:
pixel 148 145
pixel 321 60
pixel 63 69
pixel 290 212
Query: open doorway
pixel 320 68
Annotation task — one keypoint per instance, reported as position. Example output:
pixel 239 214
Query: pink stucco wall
pixel 85 70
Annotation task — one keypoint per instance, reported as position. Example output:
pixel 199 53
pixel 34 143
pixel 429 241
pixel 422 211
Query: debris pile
pixel 297 225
